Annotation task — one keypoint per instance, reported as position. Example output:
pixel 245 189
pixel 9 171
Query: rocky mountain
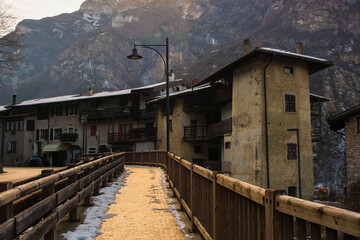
pixel 68 53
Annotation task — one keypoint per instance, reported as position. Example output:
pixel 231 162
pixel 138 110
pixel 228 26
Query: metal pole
pixel 167 97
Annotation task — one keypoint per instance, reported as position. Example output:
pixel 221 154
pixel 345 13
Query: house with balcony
pixel 348 123
pixel 61 129
pixel 252 119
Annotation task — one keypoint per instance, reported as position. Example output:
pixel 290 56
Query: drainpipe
pixel 298 152
pixel 266 126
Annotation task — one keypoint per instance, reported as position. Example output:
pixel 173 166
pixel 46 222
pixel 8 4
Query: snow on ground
pixel 95 215
pixel 173 209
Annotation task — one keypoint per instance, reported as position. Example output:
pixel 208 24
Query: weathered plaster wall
pixel 247 139
pixel 283 172
pixel 352 141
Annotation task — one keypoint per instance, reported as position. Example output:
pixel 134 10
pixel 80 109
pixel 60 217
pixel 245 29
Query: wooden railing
pixel 32 210
pixel 220 128
pixel 221 207
pixel 195 133
pixel 119 137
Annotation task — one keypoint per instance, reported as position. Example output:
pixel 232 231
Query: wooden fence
pixel 32 210
pixel 221 207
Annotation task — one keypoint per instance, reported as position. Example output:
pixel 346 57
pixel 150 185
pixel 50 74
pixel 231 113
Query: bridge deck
pixel 142 210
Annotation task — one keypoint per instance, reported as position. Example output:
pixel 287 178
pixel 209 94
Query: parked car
pixel 36 161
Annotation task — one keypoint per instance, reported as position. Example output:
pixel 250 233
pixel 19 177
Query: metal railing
pixel 195 133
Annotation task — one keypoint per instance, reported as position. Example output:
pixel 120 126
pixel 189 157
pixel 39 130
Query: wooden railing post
pixel 6 211
pixel 192 187
pixel 46 192
pixel 215 204
pixel 74 213
pixel 273 219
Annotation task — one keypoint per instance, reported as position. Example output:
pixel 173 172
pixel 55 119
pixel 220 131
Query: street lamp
pixel 135 56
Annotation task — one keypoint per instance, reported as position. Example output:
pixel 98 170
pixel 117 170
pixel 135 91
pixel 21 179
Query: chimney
pixel 299 47
pixel 91 91
pixel 14 86
pixel 246 46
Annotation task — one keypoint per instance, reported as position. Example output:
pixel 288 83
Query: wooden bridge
pixel 219 207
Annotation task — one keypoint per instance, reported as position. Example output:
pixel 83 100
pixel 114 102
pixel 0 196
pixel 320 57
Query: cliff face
pixel 67 53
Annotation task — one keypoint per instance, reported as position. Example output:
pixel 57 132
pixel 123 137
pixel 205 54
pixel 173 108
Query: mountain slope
pixel 67 53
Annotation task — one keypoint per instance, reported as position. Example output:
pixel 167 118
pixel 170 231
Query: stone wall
pixel 352 141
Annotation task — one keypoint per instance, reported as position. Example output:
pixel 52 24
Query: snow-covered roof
pixel 159 98
pixel 314 64
pixel 2 108
pixel 77 97
pixel 279 51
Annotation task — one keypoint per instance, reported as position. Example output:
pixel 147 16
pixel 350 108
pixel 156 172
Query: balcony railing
pixel 196 133
pixel 144 114
pixel 220 128
pixel 122 112
pixel 143 134
pixel 68 137
pixel 118 137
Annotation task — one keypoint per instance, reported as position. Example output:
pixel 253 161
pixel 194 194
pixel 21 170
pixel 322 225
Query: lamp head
pixel 134 54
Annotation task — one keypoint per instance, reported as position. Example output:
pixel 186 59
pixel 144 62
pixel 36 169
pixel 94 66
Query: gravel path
pixel 141 209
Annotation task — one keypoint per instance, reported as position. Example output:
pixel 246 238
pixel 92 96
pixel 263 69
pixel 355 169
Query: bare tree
pixel 10 43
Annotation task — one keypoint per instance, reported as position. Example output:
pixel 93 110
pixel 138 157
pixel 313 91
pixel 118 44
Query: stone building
pixel 251 118
pixel 60 129
pixel 349 121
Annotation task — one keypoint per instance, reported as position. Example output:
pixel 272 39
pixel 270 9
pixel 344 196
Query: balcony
pixel 196 133
pixel 143 134
pixel 121 112
pixel 144 114
pixel 119 137
pixel 220 128
pixel 68 137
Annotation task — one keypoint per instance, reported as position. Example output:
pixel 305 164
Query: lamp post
pixel 135 56
pixel 83 120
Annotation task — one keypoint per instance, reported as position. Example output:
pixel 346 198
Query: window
pixel 57 133
pixel 291 151
pixel 30 125
pixel 71 130
pixel 288 70
pixel 227 145
pixel 58 111
pixel 292 191
pixel 42 113
pixel 93 130
pixel 44 134
pixel 198 149
pixel 71 109
pixel 14 125
pixel 358 124
pixel 290 105
pixel 12 146
pixel 92 150
pixel 170 126
pixel 214 154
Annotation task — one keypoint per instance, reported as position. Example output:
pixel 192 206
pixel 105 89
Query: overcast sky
pixel 37 9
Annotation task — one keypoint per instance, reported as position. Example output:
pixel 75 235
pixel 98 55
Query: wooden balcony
pixel 121 112
pixel 119 137
pixel 196 133
pixel 143 134
pixel 68 137
pixel 144 114
pixel 316 134
pixel 220 128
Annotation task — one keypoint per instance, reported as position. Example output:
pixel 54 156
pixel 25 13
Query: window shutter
pixel 37 135
pixel 9 146
pixel 46 134
pixel 67 109
pixel 51 134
